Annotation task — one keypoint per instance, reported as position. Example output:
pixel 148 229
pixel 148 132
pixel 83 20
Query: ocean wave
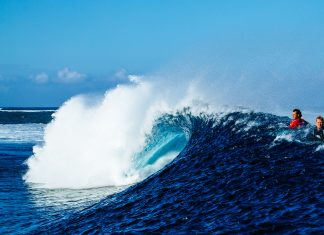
pixel 229 177
pixel 183 165
pixel 132 132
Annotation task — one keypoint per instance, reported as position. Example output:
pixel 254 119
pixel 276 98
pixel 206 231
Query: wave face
pixel 240 172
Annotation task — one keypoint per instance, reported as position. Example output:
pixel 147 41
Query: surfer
pixel 318 130
pixel 297 120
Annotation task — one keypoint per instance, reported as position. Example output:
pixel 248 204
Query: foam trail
pixel 94 145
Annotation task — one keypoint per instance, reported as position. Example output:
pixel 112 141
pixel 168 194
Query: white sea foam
pixel 93 145
pixel 284 137
pixel 18 133
pixel 320 148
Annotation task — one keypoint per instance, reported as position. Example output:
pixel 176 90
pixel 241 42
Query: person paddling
pixel 318 130
pixel 297 120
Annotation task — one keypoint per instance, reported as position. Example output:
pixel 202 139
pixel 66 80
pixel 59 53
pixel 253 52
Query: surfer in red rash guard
pixel 297 120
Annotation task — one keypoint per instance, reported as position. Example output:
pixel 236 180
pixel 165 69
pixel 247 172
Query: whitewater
pixel 103 143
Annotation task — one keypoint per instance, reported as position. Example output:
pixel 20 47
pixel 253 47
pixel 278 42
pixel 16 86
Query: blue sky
pixel 51 50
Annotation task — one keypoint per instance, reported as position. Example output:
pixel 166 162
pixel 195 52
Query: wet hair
pixel 320 118
pixel 298 112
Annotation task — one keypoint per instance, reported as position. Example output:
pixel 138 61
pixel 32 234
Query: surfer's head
pixel 319 122
pixel 296 114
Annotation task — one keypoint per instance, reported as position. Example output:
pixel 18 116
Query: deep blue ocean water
pixel 239 172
